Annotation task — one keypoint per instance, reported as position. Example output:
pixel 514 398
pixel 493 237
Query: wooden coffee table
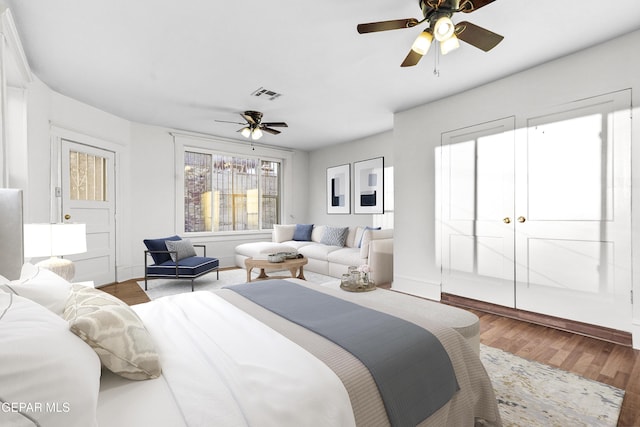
pixel 293 265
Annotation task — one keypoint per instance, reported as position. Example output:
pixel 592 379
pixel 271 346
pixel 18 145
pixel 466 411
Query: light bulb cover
pixel 256 134
pixel 443 29
pixel 449 44
pixel 422 43
pixel 246 132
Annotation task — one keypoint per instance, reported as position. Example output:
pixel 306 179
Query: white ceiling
pixel 185 64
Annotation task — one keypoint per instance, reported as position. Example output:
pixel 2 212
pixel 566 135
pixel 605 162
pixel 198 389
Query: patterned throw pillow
pixel 183 247
pixel 335 236
pixel 114 331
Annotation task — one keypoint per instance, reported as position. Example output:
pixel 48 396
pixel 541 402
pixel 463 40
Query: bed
pixel 207 358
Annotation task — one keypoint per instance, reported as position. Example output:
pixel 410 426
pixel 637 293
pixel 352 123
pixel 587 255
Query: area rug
pixel 162 287
pixel 534 394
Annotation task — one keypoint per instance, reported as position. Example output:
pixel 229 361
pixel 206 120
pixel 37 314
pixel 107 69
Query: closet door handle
pixel 521 219
pixel 507 220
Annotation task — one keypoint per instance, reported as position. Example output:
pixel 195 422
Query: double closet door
pixel 535 214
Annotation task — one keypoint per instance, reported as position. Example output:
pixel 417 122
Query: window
pixel 230 193
pixel 87 177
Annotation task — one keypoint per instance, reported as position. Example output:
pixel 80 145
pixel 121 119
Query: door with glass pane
pixel 476 212
pixel 88 197
pixel 573 183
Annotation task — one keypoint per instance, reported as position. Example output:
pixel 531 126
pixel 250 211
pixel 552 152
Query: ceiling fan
pixel 254 127
pixel 438 13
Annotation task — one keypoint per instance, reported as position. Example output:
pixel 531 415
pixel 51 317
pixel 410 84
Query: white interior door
pixel 88 197
pixel 573 192
pixel 476 202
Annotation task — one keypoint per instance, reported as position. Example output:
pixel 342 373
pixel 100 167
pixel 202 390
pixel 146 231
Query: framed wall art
pixel 339 189
pixel 369 186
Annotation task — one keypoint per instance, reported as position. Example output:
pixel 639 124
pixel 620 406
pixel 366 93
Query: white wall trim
pixel 416 286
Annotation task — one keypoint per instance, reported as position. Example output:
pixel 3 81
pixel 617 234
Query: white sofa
pixel 362 246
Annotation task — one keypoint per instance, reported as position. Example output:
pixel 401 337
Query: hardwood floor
pixel 603 361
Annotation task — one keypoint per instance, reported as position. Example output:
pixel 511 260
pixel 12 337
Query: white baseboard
pixel 416 286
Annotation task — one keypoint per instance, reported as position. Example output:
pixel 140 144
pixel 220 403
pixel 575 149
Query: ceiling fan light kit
pixel 254 128
pixel 438 13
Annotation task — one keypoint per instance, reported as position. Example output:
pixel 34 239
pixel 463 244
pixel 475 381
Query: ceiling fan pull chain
pixel 436 64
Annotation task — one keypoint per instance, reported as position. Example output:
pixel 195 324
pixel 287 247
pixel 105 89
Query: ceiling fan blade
pixel 412 59
pixel 468 6
pixel 226 121
pixel 477 36
pixel 269 130
pixel 276 124
pixel 395 24
pixel 248 118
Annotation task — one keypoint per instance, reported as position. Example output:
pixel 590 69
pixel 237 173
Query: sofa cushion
pixel 262 248
pixel 334 236
pixel 346 256
pixel 189 267
pixel 282 233
pixel 351 237
pixel 159 245
pixel 318 232
pixel 303 232
pixel 317 251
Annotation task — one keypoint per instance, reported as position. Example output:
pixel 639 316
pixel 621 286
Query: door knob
pixel 507 220
pixel 521 219
pixel 67 217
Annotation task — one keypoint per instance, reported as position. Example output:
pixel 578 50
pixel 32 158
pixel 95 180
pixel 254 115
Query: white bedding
pixel 238 371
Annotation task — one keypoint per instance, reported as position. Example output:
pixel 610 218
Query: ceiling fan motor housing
pixel 255 115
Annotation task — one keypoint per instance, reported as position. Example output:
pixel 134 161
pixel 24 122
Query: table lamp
pixel 54 241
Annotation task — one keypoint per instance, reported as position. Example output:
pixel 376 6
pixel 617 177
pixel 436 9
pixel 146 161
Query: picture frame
pixel 368 191
pixel 339 189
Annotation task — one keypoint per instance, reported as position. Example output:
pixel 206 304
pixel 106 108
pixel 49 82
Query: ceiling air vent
pixel 266 93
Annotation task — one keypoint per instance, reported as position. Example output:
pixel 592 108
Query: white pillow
pixel 42 286
pixel 46 372
pixel 114 331
pixel 283 233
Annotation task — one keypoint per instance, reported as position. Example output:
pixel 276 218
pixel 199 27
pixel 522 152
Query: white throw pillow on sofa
pixel 283 233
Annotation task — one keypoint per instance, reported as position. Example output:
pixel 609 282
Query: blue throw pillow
pixel 159 245
pixel 365 229
pixel 303 232
pixel 335 236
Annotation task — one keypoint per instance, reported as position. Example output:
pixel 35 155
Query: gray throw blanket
pixel 411 368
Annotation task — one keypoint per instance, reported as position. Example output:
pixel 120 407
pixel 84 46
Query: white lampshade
pixel 257 134
pixel 449 44
pixel 422 43
pixel 42 240
pixel 246 132
pixel 443 29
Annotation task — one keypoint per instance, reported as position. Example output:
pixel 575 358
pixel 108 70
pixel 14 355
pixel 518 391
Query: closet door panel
pixel 475 198
pixel 573 248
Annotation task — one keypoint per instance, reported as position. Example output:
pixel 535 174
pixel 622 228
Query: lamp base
pixel 62 267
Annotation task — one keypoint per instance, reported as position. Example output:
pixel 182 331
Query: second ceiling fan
pixel 438 13
pixel 254 125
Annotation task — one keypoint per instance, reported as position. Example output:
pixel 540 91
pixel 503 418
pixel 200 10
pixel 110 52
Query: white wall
pixel 380 145
pixel 601 69
pixel 145 187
